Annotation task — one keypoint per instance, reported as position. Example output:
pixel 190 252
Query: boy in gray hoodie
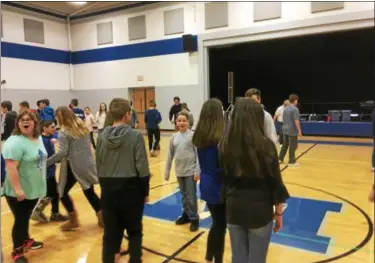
pixel 124 178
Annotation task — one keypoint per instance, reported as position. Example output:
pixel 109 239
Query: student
pixel 279 118
pixel 77 111
pixel 187 170
pixel 134 121
pixel 269 125
pixel 291 131
pixel 209 132
pixel 47 113
pixel 184 107
pixel 101 116
pixel 3 172
pixel 90 121
pixel 25 106
pixel 77 165
pixel 9 121
pixel 152 120
pixel 48 129
pixel 252 183
pixel 124 178
pixel 175 109
pixel 25 158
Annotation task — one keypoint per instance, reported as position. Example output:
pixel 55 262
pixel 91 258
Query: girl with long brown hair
pixel 253 183
pixel 25 158
pixel 210 130
pixel 77 165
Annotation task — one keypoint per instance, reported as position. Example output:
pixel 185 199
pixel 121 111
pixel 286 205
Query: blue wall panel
pixel 12 50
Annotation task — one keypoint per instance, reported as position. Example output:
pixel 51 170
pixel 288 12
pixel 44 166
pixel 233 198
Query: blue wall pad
pixel 12 50
pixel 139 50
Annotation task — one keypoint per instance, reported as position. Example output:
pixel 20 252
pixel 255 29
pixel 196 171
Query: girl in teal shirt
pixel 25 158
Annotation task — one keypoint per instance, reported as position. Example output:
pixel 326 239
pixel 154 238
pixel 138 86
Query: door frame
pixel 145 88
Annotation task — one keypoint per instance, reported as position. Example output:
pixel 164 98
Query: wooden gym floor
pixel 328 219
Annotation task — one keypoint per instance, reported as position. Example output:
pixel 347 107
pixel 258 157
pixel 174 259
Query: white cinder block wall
pixel 32 74
pixel 172 74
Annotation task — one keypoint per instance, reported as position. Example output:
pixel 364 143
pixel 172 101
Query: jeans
pixel 250 245
pixel 117 219
pixel 216 236
pixel 21 211
pixel 281 135
pixel 90 194
pixel 151 133
pixel 188 188
pixel 290 142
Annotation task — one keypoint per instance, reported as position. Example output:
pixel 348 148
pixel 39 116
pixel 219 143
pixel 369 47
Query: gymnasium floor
pixel 328 219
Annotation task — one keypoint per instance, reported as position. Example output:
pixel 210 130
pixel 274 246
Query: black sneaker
pixel 58 218
pixel 182 220
pixel 33 245
pixel 194 226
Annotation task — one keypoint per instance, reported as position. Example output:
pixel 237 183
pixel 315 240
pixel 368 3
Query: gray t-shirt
pixel 290 115
pixel 182 150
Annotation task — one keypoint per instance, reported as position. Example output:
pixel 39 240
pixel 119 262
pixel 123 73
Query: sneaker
pixel 194 226
pixel 294 165
pixel 153 154
pixel 18 256
pixel 39 217
pixel 182 220
pixel 33 245
pixel 58 218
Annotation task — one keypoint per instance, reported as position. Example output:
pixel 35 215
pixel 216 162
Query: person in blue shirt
pixel 77 111
pixel 47 113
pixel 209 131
pixel 152 120
pixel 48 131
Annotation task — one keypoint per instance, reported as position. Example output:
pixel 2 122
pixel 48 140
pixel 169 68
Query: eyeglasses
pixel 25 120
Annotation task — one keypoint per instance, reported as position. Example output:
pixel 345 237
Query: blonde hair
pixel 70 123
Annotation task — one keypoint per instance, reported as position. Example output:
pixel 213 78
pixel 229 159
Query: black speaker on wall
pixel 189 43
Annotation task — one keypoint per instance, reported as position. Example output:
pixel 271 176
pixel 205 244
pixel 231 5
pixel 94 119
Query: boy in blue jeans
pixel 49 137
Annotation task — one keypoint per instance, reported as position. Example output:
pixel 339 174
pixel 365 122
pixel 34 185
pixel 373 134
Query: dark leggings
pixel 216 236
pixel 90 194
pixel 92 139
pixel 21 211
pixel 53 194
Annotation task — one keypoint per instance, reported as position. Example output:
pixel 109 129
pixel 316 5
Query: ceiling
pixel 69 8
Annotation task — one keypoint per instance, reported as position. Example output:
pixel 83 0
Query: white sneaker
pixel 294 165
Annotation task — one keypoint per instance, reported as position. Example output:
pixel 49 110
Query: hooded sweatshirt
pixel 9 124
pixel 122 164
pixel 47 114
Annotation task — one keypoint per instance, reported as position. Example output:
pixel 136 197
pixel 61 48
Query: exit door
pixel 141 98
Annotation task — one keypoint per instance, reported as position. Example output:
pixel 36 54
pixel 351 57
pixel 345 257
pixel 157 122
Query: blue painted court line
pixel 337 143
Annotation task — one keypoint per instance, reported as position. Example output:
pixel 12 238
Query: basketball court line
pixel 345 254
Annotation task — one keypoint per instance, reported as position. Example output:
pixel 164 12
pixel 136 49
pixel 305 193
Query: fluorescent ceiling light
pixel 79 3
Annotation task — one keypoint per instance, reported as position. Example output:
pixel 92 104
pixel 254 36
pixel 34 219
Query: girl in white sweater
pixel 100 116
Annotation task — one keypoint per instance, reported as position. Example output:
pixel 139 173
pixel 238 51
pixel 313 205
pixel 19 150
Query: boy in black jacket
pixel 9 119
pixel 124 178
